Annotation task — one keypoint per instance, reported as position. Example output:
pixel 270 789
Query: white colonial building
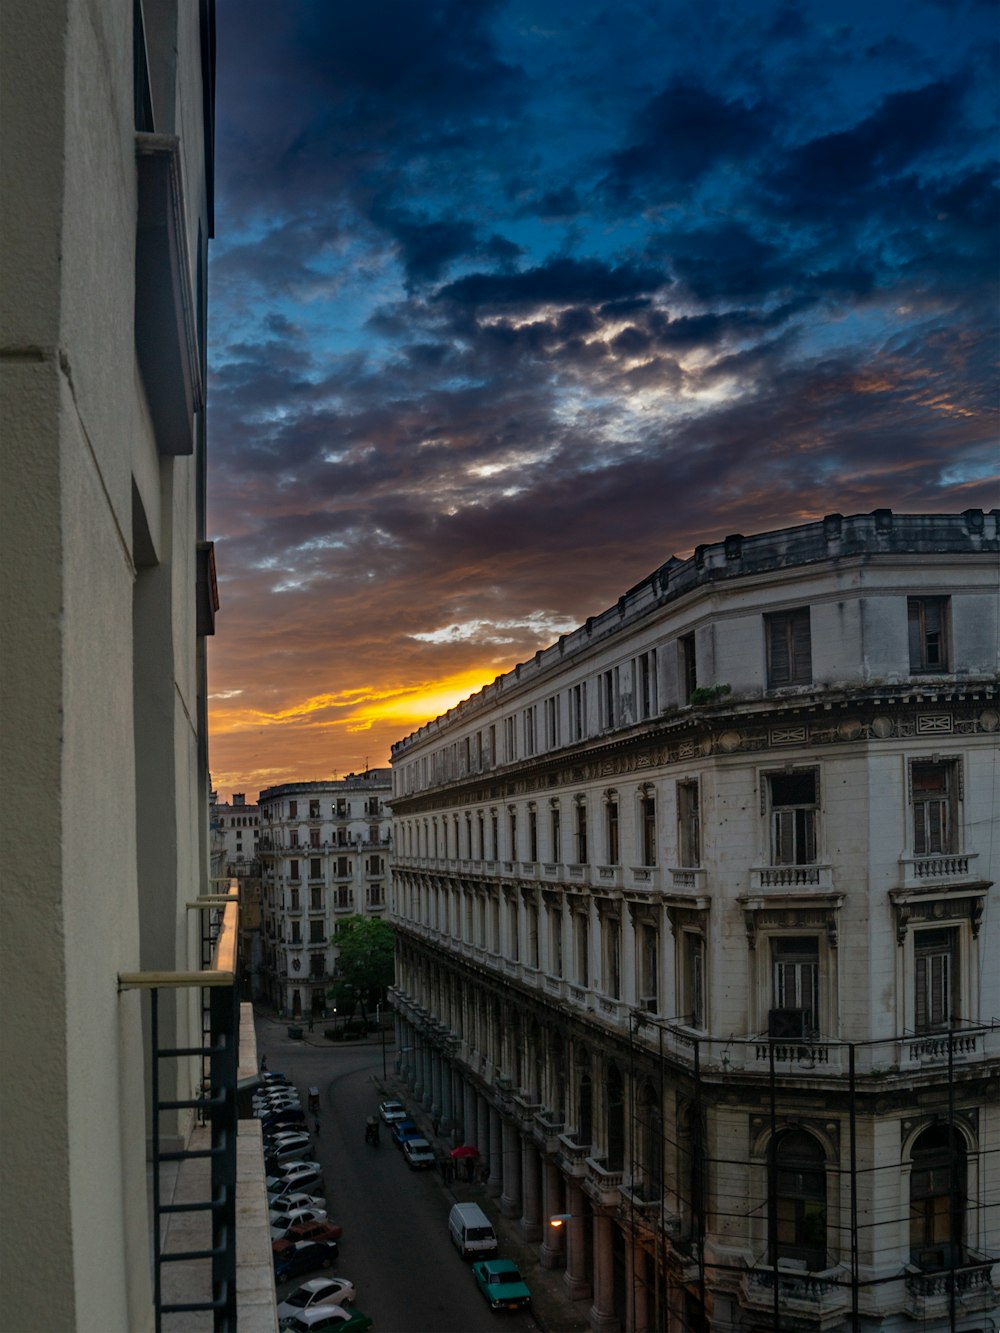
pixel 324 856
pixel 235 829
pixel 698 941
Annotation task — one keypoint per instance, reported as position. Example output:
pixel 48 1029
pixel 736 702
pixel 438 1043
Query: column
pixel 602 1312
pixel 637 1295
pixel 495 1187
pixel 575 1277
pixel 425 1074
pixel 510 1199
pixel 530 1201
pixel 436 1098
pixel 552 1253
pixel 447 1075
pixel 468 1113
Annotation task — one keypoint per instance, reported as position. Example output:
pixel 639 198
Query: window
pixel 317 933
pixel 556 831
pixel 316 899
pixel 649 970
pixel 512 930
pixel 293 869
pixel 315 867
pixel 314 809
pixel 510 739
pixel 375 865
pixel 646 684
pixel 693 979
pixel 793 817
pixel 532 935
pixel 314 837
pixel 293 838
pixel 293 809
pixel 529 731
pixel 688 824
pixel 580 811
pixel 607 697
pixel 342 867
pixel 373 833
pixel 611 821
pixel 552 722
pixel 582 933
pixel 799 1224
pixel 687 667
pixel 494 833
pixel 512 831
pixel 647 817
pixel 578 711
pixel 937 1199
pixel 789 651
pixel 795 1011
pixel 934 787
pixel 532 835
pixel 555 942
pixel 612 957
pixel 927 623
pixel 481 830
pixel 935 957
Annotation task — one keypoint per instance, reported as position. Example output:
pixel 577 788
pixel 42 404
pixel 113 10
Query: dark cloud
pixel 559 281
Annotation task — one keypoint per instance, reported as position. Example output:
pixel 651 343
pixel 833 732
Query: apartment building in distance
pixel 698 936
pixel 324 852
pixel 236 833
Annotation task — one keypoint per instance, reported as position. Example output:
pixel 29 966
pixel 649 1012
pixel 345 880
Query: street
pixel 395 1247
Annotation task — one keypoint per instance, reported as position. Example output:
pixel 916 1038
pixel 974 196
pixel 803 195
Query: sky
pixel 512 301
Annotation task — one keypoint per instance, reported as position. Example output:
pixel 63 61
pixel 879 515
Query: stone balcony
pixel 603 1185
pixel 574 1156
pixel 928 872
pixel 928 1295
pixel 805 1300
pixel 771 879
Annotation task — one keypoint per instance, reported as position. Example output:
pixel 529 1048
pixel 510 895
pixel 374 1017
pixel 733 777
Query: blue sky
pixel 512 301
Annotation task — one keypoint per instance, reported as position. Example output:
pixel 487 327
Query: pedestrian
pixel 484 1173
pixel 263 1064
pixel 470 1169
pixel 310 1023
pixel 316 1125
pixel 436 1124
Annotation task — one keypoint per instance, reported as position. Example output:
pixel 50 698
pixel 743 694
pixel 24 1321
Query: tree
pixel 365 964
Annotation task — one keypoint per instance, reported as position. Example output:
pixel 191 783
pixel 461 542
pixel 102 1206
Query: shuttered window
pixel 936 974
pixel 789 648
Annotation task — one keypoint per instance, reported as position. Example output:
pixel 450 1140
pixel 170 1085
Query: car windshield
pixel 512 1275
pixel 480 1233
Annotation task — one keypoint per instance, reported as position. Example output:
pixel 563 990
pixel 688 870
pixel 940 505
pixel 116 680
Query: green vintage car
pixel 501 1283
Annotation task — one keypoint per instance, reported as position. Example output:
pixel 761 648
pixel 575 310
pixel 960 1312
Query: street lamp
pixel 558 1220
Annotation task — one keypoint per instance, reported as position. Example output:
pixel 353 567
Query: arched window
pixel 799 1223
pixel 937 1198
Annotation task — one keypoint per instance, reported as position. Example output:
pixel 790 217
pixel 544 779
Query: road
pixel 395 1248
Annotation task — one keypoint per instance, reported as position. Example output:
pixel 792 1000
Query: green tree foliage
pixel 365 965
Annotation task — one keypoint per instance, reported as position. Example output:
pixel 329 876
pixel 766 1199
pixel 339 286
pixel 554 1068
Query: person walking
pixel 263 1064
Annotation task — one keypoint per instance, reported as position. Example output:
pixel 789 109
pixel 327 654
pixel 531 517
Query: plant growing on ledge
pixel 709 694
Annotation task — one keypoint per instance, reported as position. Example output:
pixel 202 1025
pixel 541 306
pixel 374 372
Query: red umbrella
pixel 466 1150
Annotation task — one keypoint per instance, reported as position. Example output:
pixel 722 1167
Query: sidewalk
pixel 552 1309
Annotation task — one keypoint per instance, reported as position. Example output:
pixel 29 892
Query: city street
pixel 395 1248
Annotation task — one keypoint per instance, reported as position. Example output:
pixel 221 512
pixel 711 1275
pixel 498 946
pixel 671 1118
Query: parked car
pixel 282 1170
pixel 290 1115
pixel 323 1229
pixel 393 1111
pixel 501 1283
pixel 419 1154
pixel 403 1130
pixel 262 1106
pixel 282 1137
pixel 307 1177
pixel 317 1291
pixel 273 1078
pixel 286 1152
pixel 327 1319
pixel 292 1258
pixel 298 1200
pixel 282 1223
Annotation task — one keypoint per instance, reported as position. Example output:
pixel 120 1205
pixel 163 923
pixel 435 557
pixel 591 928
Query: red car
pixel 319 1230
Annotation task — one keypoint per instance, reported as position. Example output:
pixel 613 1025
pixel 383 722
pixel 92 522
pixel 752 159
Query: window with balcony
pixel 611 828
pixel 511 833
pixel 795 994
pixel 316 900
pixel 555 831
pixel 688 824
pixel 513 933
pixel 934 786
pixel 937 1198
pixel 936 978
pixel 647 825
pixel 296 931
pixel 315 867
pixel 374 865
pixel 293 809
pixel 532 924
pixel 314 837
pixel 343 867
pixel 532 834
pixel 580 814
pixel 293 869
pixel 494 835
pixel 294 902
pixel 649 969
pixel 481 834
pixel 794 802
pixel 692 978
pixel 555 941
pixel 314 809
pixel 927 624
pixel 317 932
pixel 581 933
pixel 611 931
pixel 789 648
pixel 799 1200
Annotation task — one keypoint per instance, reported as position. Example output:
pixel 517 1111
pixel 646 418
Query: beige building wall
pixel 102 668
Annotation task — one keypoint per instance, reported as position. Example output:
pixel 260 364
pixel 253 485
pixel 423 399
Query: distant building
pixel 238 828
pixel 697 939
pixel 324 851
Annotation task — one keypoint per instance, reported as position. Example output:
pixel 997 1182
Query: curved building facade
pixel 697 934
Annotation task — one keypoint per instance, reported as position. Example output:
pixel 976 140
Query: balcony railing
pixel 803 1297
pixel 764 879
pixel 602 1184
pixel 928 1295
pixel 925 871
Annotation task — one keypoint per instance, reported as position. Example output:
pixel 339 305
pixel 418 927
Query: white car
pixel 277 1102
pixel 285 1136
pixel 318 1291
pixel 393 1111
pixel 305 1176
pixel 282 1223
pixel 289 1202
pixel 419 1154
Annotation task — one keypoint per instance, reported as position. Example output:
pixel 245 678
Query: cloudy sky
pixel 513 299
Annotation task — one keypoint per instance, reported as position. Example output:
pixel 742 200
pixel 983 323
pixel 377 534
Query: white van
pixel 471 1231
